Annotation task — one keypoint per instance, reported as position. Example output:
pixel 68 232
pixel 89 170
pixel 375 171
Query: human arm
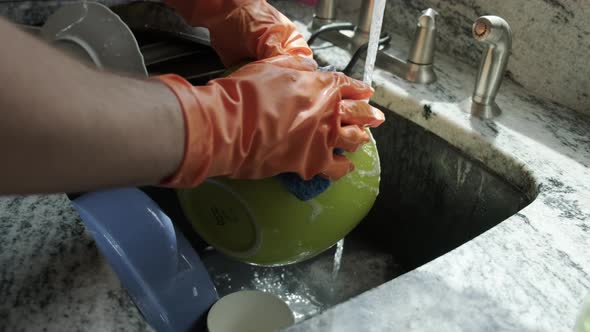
pixel 272 116
pixel 67 127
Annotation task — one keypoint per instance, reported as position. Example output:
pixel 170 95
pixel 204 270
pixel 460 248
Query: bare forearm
pixel 66 127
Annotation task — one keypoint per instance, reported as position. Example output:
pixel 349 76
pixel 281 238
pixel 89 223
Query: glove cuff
pixel 196 161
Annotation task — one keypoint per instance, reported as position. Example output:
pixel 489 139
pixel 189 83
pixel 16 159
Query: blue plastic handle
pixel 161 271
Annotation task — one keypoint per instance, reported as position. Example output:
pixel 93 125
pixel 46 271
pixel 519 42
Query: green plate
pixel 259 222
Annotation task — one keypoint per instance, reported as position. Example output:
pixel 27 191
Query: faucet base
pixel 319 22
pixel 482 111
pixel 420 73
pixel 358 39
pixel 409 71
pixel 412 72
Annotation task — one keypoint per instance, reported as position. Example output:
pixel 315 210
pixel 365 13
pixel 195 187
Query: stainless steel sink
pixel 433 199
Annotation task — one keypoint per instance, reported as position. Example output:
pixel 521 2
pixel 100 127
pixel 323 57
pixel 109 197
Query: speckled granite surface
pixel 530 273
pixel 52 276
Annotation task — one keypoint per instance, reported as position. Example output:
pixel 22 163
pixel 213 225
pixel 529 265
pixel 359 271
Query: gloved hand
pixel 244 29
pixel 271 116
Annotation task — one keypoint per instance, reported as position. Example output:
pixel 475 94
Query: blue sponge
pixel 305 189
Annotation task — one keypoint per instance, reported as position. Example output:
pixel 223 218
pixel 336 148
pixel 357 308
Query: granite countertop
pixel 529 273
pixel 52 275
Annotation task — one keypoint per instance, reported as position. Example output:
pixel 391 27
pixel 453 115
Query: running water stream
pixel 376 23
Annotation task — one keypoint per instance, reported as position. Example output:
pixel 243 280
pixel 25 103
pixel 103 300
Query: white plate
pixel 92 32
pixel 249 311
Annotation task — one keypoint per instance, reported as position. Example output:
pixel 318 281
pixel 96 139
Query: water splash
pixel 285 284
pixel 372 155
pixel 337 259
pixel 309 287
pixel 316 210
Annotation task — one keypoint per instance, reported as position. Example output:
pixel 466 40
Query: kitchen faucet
pixel 417 68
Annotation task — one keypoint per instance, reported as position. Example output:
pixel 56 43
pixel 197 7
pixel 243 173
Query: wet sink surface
pixel 309 287
pixel 433 198
pixel 351 267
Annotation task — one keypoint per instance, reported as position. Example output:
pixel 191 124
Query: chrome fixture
pixel 495 32
pixel 363 28
pixel 418 67
pixel 325 13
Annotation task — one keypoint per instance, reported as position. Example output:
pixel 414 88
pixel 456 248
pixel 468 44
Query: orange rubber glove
pixel 244 29
pixel 269 117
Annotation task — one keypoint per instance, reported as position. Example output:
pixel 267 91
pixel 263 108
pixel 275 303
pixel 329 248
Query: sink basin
pixel 433 198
